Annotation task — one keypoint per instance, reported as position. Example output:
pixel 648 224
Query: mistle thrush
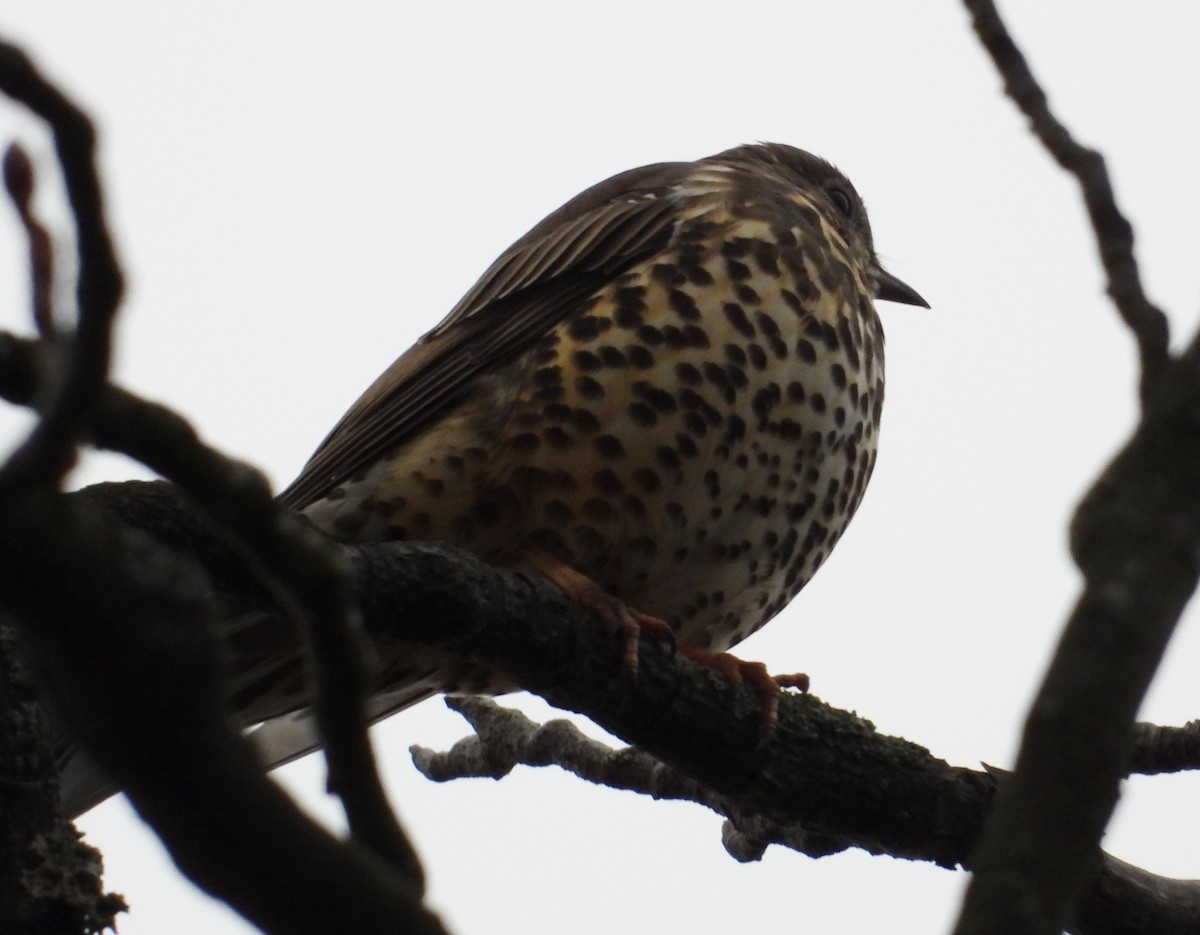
pixel 670 387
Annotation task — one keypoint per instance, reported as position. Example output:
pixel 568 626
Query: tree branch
pixel 49 452
pixel 113 650
pixel 314 591
pixel 1114 233
pixel 821 781
pixel 1136 538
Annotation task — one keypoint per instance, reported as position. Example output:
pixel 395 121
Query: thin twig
pixel 49 451
pixel 19 181
pixel 1114 234
pixel 1166 749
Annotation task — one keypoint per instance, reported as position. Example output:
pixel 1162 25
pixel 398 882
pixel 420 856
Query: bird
pixel 665 398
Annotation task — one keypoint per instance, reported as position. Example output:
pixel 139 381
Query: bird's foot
pixel 612 610
pixel 736 670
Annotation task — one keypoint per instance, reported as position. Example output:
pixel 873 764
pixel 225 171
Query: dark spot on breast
pixel 588 327
pixel 643 544
pixel 650 336
pixel 607 482
pixel 660 399
pixel 526 441
pixel 848 343
pixel 745 294
pixel 765 400
pixel 765 253
pixel 558 437
pixel 647 479
pixel 589 387
pixel 817 401
pixel 667 457
pixel 806 350
pixel 486 512
pixel 758 357
pixel 558 511
pixel 549 393
pixel 770 329
pixel 688 374
pixel 556 412
pixel 735 354
pixel 584 420
pixel 790 430
pixel 639 356
pixel 609 446
pixel 599 511
pixel 683 305
pixel 694 423
pixel 839 416
pixel 631 303
pixel 716 375
pixel 586 361
pixel 348 524
pixel 697 275
pixel 735 428
pixel 696 336
pixel 547 376
pixel 736 315
pixel 675 337
pixel 685 446
pixel 667 274
pixel 633 506
pixel 611 357
pixel 792 301
pixel 642 414
pixel 736 269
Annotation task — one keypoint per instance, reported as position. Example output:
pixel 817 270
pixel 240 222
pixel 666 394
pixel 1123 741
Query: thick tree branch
pixel 233 494
pixel 49 879
pixel 1136 538
pixel 824 778
pixel 313 580
pixel 114 649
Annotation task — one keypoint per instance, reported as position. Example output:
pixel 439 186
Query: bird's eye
pixel 840 199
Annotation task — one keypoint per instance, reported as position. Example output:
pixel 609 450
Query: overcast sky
pixel 299 190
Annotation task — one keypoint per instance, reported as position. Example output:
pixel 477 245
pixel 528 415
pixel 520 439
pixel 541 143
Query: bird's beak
pixel 891 289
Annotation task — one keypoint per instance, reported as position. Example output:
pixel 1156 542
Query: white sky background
pixel 299 190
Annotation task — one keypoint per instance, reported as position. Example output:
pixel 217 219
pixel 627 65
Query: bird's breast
pixel 695 437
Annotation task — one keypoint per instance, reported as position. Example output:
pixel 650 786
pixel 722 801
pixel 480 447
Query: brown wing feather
pixel 531 287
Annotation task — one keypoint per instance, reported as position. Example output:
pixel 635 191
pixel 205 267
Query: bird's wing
pixel 533 285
